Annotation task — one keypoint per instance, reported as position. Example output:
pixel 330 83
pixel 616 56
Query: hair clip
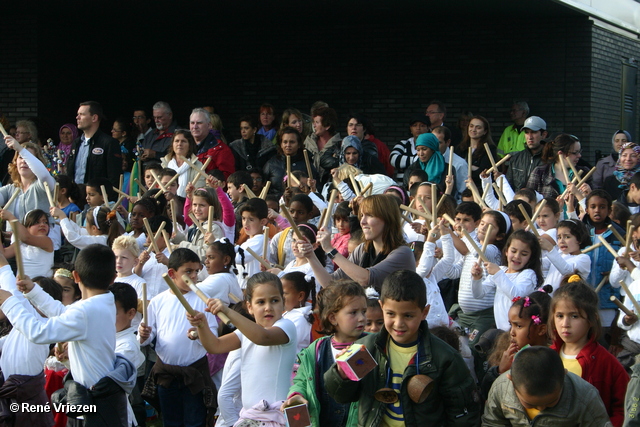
pixel 222 240
pixel 527 302
pixel 516 299
pixel 63 272
pixel 536 319
pixel 574 278
pixel 308 278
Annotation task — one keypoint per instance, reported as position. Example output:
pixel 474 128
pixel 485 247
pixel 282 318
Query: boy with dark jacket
pixel 406 352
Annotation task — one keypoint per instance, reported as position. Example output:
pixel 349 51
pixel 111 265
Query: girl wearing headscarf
pixel 429 160
pixel 627 166
pixel 607 165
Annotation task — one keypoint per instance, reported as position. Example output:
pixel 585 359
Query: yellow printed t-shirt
pixel 400 357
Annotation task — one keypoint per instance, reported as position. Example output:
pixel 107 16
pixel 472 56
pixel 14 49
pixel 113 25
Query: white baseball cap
pixel 535 123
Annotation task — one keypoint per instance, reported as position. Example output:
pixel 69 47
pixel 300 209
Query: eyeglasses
pixel 139 117
pixel 433 112
pixel 354 125
pixel 575 153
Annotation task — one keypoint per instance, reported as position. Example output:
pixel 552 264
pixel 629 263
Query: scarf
pixel 434 167
pixel 624 175
pixel 351 141
pixel 369 258
pixel 183 179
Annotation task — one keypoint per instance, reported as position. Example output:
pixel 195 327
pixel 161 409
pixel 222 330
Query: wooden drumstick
pixel 18 251
pixel 204 297
pixel 621 306
pixel 145 318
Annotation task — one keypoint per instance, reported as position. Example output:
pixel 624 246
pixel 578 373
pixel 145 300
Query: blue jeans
pixel 180 407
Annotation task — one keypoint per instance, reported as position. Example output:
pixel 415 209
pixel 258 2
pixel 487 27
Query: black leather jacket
pixel 276 169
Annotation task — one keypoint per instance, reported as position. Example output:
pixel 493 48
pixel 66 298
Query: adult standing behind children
pixel 94 154
pixel 383 252
pixel 406 353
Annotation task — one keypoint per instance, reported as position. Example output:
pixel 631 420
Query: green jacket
pixel 304 383
pixel 452 402
pixel 511 140
pixel 579 405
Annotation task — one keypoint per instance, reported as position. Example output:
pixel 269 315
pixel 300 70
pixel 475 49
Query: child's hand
pixel 208 238
pixel 122 211
pixel 274 270
pixel 56 213
pixel 449 184
pixel 312 184
pixel 625 263
pixel 162 259
pixel 491 268
pixel 545 244
pixel 635 255
pixel 585 189
pixel 476 271
pixel 144 332
pixel 192 333
pixel 198 321
pixel 507 358
pixel 133 199
pixel 424 229
pixel 294 400
pixel 417 227
pixel 212 181
pixel 484 174
pixel 25 285
pixel 61 351
pixel 189 190
pixel 630 320
pixel 143 257
pixel 354 204
pixel 215 306
pixel 7 215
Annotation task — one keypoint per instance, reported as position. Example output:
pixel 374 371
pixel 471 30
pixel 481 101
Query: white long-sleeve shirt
pixel 490 198
pixel 19 355
pixel 618 273
pixel 152 272
pixel 432 271
pixel 460 170
pixel 505 286
pixel 230 393
pixel 563 264
pixel 88 325
pixel 80 237
pixel 633 331
pixel 220 285
pixel 251 265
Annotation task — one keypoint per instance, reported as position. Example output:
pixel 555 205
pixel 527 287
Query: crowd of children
pixel 506 313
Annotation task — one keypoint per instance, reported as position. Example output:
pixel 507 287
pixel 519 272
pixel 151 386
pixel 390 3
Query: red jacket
pixel 220 154
pixel 603 371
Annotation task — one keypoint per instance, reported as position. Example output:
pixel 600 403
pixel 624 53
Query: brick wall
pixel 386 60
pixel 18 69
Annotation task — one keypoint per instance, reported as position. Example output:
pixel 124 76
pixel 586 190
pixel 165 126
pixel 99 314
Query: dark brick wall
pixel 19 68
pixel 609 51
pixel 386 60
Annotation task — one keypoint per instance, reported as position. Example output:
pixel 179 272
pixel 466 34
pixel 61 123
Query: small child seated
pixel 537 387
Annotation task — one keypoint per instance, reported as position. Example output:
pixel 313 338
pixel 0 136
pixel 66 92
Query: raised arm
pixel 36 166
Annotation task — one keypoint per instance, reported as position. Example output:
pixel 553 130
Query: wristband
pixel 332 254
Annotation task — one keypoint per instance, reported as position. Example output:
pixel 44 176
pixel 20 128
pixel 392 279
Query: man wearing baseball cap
pixel 404 153
pixel 523 162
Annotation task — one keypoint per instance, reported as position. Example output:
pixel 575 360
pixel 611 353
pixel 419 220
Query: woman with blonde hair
pixel 183 145
pixel 383 251
pixel 28 175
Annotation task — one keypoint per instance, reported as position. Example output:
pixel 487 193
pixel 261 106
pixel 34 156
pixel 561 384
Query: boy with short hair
pixel 127 251
pixel 538 389
pixel 403 349
pixel 518 222
pixel 148 177
pixel 89 326
pixel 280 247
pixel 180 379
pixel 127 344
pixel 254 215
pixel 631 197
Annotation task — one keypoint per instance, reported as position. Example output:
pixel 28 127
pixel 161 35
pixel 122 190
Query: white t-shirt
pixel 152 272
pixel 169 324
pixel 36 261
pixel 136 282
pixel 266 370
pixel 220 285
pixel 251 265
pixel 299 317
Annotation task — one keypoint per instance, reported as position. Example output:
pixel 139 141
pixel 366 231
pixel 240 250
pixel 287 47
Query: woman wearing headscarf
pixel 352 153
pixel 607 165
pixel 627 166
pixel 429 160
pixel 68 132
